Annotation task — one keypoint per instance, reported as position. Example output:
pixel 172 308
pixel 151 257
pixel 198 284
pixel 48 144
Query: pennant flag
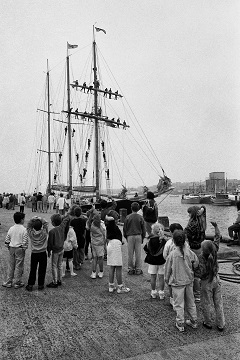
pixel 69 46
pixel 98 29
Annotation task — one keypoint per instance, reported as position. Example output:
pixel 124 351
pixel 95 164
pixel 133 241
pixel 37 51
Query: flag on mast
pixel 98 29
pixel 69 46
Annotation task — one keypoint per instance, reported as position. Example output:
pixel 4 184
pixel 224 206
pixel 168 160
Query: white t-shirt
pixel 61 203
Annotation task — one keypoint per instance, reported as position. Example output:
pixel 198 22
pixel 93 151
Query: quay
pixel 81 320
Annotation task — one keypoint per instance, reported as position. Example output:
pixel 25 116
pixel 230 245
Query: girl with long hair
pixel 210 281
pixel 179 275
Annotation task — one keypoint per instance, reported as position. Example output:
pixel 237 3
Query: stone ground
pixel 82 320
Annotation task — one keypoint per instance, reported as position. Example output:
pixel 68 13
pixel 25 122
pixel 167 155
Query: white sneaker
pixel 154 294
pixel 73 274
pixel 100 274
pixel 161 295
pixel 111 288
pixel 122 289
pixel 63 275
pixel 192 323
pixel 93 275
pixel 180 327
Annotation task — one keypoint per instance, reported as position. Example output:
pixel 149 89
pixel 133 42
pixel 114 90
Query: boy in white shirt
pixel 17 243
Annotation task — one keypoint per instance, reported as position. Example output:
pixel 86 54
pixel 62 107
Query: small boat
pixel 190 199
pixel 222 199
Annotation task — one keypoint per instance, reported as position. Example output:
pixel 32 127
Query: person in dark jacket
pixel 154 250
pixel 150 212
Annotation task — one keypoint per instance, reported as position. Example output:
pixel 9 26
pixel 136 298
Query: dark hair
pixel 77 211
pixel 210 253
pixel 37 224
pixel 135 206
pixel 103 204
pixel 56 219
pixel 192 210
pixel 150 195
pixel 18 217
pixel 238 204
pixel 72 209
pixel 175 226
pixel 179 239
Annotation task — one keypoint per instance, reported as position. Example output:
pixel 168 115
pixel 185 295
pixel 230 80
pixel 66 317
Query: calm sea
pixel 177 212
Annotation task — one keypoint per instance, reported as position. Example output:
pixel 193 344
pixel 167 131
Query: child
pixel 79 226
pixel 134 231
pixel 37 229
pixel 211 286
pixel 17 243
pixel 114 252
pixel 154 250
pixel 55 245
pixel 179 274
pixel 97 241
pixel 169 246
pixel 195 231
pixel 69 244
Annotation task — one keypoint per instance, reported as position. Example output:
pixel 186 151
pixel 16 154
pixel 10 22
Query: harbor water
pixel 177 212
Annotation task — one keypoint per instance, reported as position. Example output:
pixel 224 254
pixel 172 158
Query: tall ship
pixel 90 143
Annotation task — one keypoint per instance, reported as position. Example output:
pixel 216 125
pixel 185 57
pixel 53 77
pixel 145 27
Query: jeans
pixel 38 260
pixel 57 259
pixel 16 263
pixel 211 293
pixel 78 257
pixel 184 300
pixel 148 227
pixel 134 247
pixel 197 281
pixel 39 206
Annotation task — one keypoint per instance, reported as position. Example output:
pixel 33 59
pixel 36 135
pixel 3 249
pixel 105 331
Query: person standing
pixel 61 204
pixel 37 229
pixel 179 275
pixel 34 202
pixel 134 231
pixel 51 201
pixel 210 281
pixel 79 226
pixel 150 211
pixel 195 231
pixel 17 243
pixel 39 202
pixel 45 203
pixel 56 240
pixel 22 202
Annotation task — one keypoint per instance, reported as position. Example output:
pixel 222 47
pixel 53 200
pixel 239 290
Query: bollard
pixel 123 214
pixel 164 220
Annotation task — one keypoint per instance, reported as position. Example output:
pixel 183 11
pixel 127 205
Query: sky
pixel 177 61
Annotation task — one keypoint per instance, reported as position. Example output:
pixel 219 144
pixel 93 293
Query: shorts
pixel 97 250
pixel 68 254
pixel 156 269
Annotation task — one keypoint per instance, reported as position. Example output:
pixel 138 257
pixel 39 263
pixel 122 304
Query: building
pixel 216 182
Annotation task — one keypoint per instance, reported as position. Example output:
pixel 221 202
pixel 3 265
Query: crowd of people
pixel 181 260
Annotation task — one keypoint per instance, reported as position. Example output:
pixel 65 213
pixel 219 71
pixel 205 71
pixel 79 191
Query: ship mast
pixel 49 133
pixel 96 122
pixel 69 129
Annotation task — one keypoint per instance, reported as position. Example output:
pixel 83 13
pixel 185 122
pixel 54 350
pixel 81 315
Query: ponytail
pixel 179 240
